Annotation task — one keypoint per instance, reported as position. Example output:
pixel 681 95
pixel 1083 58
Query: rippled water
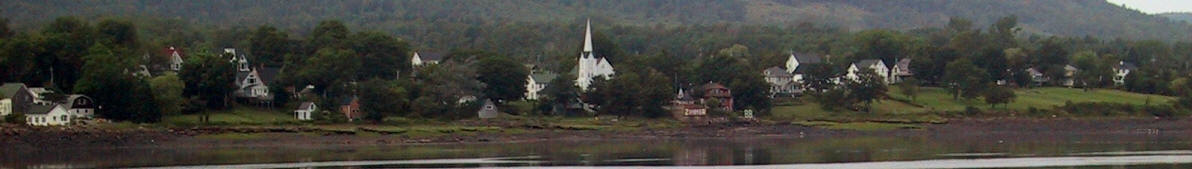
pixel 930 151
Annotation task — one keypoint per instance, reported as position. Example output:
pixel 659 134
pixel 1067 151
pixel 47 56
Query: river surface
pixel 924 151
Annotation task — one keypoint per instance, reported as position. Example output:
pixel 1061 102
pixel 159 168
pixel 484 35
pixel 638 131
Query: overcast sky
pixel 1156 6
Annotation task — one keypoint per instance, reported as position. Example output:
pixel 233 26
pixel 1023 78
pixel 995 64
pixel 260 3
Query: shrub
pixel 15 118
pixel 970 110
pixel 1102 109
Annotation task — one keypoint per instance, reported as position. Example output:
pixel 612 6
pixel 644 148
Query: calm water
pixel 1013 151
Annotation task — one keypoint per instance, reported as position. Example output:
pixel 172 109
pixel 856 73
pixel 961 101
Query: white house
pixel 1121 70
pixel 591 66
pixel 175 58
pixel 254 84
pixel 48 115
pixel 1037 76
pixel 780 81
pixel 1070 75
pixel 80 106
pixel 537 81
pixel 901 70
pixel 15 98
pixel 305 110
pixel 876 65
pixel 425 58
pixel 795 65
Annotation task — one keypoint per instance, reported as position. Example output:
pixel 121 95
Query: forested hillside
pixel 1060 17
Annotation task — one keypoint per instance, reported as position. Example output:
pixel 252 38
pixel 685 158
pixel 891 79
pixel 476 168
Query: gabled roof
pixel 171 51
pixel 904 62
pixel 305 105
pixel 777 72
pixel 803 69
pixel 715 86
pixel 1070 68
pixel 904 67
pixel 1034 71
pixel 41 109
pixel 430 56
pixel 805 58
pixel 543 77
pixel 8 90
pixel 869 63
pixel 70 100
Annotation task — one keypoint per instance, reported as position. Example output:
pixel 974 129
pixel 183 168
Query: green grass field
pixel 235 116
pixel 934 100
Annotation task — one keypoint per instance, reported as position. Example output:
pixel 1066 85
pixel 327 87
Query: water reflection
pixel 667 152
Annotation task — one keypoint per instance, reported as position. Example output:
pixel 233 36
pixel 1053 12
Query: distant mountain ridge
pixel 1179 16
pixel 1050 17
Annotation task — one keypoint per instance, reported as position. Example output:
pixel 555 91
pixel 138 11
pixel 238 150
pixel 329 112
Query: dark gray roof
pixel 805 58
pixel 240 76
pixel 268 74
pixel 803 68
pixel 543 77
pixel 868 62
pixel 41 109
pixel 8 90
pixel 70 100
pixel 430 56
pixel 777 72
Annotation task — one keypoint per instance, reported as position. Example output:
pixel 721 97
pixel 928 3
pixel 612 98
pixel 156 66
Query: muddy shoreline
pixel 29 138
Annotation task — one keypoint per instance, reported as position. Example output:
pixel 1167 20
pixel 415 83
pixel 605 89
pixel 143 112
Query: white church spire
pixel 589 65
pixel 588 37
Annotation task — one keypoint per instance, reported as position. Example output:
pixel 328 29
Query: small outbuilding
pixel 488 110
pixel 305 110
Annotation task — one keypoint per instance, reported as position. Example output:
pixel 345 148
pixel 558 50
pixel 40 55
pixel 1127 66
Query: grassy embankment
pixel 508 124
pixel 931 105
pixel 935 105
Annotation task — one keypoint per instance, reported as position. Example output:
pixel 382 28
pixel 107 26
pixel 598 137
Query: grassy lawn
pixel 934 100
pixel 1044 98
pixel 235 116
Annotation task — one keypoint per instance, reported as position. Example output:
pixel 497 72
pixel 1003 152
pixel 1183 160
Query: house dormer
pixel 242 64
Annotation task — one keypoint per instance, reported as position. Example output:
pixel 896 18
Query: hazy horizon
pixel 1156 6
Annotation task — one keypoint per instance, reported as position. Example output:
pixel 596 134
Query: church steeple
pixel 588 38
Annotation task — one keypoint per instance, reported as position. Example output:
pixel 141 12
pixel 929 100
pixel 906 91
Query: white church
pixel 591 66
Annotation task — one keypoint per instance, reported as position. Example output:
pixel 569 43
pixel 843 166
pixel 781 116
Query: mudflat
pixel 18 137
